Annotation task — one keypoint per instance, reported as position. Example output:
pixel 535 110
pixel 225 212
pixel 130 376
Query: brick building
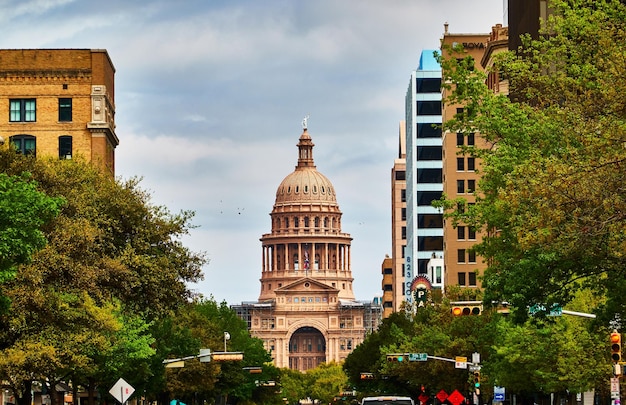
pixel 462 266
pixel 59 103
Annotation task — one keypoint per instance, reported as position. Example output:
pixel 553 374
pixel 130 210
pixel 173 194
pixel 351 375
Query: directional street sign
pixel 499 393
pixel 555 310
pixel 418 356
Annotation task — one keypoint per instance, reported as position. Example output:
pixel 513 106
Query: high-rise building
pixel 306 313
pixel 424 182
pixel 393 267
pixel 59 103
pixel 462 265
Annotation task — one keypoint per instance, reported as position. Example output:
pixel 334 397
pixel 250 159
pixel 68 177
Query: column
pixel 340 251
pixel 299 256
pixel 327 258
pixel 263 254
pixel 274 254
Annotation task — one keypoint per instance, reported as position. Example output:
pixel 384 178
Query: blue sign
pixel 498 394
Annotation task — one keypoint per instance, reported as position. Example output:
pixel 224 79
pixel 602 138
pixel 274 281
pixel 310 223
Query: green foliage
pixel 112 263
pixel 325 382
pixel 24 210
pixel 293 385
pixel 365 358
pixel 201 325
pixel 542 355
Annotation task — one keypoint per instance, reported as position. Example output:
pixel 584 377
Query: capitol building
pixel 306 313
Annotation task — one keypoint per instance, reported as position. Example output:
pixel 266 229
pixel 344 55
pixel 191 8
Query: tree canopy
pixel 98 264
pixel 24 210
pixel 532 359
pixel 551 200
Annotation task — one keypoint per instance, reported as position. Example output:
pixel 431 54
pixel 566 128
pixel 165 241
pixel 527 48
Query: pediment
pixel 306 284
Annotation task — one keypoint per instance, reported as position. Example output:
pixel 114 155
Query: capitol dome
pixel 305 184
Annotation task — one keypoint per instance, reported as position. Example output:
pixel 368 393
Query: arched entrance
pixel 307 349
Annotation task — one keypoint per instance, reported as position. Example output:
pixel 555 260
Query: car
pixel 387 400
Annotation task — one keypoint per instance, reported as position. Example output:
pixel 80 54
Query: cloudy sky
pixel 210 96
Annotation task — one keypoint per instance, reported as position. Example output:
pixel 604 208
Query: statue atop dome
pixel 305 122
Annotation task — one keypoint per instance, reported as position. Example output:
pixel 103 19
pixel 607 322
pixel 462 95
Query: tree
pixel 293 385
pixel 201 324
pixel 24 210
pixel 551 200
pixel 325 382
pixel 366 357
pixel 431 329
pixel 113 263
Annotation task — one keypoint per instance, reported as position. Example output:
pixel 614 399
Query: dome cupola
pixel 305 184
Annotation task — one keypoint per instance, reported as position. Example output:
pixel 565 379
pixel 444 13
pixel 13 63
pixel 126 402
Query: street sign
pixel 442 396
pixel 121 391
pixel 227 356
pixel 418 356
pixel 456 398
pixel 555 310
pixel 498 394
pixel 615 385
pixel 205 355
pixel 460 362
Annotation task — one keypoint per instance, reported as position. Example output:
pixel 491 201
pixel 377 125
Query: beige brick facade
pixel 460 179
pixel 47 75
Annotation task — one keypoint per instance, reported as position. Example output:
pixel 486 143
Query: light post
pixel 226 338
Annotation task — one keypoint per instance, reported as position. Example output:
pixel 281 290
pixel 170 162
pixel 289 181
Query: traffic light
pixel 477 382
pixel 616 347
pixel 396 357
pixel 367 376
pixel 461 310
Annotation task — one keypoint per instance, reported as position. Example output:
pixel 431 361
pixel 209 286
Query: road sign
pixel 442 396
pixel 205 355
pixel 122 391
pixel 456 398
pixel 498 394
pixel 615 385
pixel 418 356
pixel 460 362
pixel 227 356
pixel 555 310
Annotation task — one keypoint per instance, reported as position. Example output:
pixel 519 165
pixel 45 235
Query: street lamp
pixel 226 338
